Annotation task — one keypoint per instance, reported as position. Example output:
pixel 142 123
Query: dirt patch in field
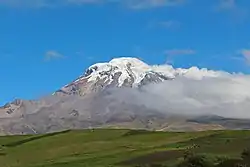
pixel 154 158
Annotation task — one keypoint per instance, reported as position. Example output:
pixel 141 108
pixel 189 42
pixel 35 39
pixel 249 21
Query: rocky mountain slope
pixel 89 102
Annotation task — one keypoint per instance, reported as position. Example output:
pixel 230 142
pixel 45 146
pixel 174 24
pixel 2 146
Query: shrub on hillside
pixel 190 159
pixel 193 160
pixel 151 165
pixel 231 163
pixel 245 155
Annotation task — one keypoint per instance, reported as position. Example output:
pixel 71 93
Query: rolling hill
pixel 113 147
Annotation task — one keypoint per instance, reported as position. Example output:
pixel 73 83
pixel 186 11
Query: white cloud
pixel 224 94
pixel 50 55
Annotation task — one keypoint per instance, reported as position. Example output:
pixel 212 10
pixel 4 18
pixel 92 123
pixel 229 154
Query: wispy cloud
pixel 84 1
pixel 165 24
pixel 232 7
pixel 169 24
pixel 51 55
pixel 25 3
pixel 142 4
pixel 133 4
pixel 177 52
pixel 246 55
pixel 46 3
pixel 227 5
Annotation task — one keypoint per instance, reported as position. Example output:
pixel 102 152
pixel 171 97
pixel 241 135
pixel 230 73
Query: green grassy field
pixel 108 148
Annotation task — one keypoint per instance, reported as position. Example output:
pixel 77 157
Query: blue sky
pixel 45 44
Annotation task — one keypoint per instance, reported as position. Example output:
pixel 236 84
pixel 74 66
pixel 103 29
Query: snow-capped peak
pixel 130 72
pixel 126 66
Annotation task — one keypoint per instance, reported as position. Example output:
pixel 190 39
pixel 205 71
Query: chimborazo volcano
pixel 94 100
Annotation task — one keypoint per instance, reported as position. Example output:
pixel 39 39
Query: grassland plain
pixel 116 147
